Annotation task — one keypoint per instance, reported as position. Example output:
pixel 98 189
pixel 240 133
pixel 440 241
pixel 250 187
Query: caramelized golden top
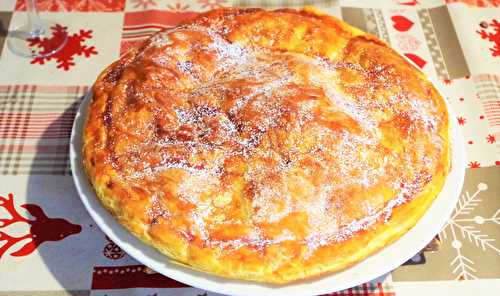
pixel 245 129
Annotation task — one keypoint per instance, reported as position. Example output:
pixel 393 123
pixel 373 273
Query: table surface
pixel 51 246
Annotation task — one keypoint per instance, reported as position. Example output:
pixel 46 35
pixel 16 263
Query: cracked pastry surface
pixel 268 146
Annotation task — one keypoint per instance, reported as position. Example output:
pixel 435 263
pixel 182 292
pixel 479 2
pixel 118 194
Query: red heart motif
pixel 401 23
pixel 410 3
pixel 416 59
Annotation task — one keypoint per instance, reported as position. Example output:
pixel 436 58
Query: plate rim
pixel 443 205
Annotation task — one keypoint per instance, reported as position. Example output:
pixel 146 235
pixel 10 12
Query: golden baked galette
pixel 263 145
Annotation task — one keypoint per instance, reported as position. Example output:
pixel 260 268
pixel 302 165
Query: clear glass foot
pixel 43 42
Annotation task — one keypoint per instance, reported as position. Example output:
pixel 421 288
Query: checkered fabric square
pixel 488 91
pixel 35 126
pixel 367 289
pixel 124 280
pixel 488 86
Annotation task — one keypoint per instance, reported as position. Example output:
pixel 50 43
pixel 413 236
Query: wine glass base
pixel 24 43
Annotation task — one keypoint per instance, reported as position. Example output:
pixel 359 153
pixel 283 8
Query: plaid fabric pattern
pixel 367 289
pixel 35 126
pixel 126 278
pixel 488 87
pixel 139 25
pixel 488 91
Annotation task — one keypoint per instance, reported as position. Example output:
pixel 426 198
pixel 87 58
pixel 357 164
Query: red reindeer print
pixel 42 228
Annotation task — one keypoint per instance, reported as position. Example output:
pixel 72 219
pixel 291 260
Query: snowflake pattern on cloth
pixel 63 57
pixel 174 6
pixel 144 4
pixel 491 32
pixel 212 4
pixel 178 7
pixel 462 227
pixel 467 246
pixel 480 140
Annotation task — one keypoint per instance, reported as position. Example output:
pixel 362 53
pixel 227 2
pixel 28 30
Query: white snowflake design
pixel 459 227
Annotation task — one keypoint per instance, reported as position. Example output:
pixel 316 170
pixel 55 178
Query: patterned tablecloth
pixel 49 245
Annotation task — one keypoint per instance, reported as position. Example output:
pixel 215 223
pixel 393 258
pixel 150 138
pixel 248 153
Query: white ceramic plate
pixel 372 267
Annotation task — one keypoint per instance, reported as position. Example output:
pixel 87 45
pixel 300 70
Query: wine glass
pixel 19 40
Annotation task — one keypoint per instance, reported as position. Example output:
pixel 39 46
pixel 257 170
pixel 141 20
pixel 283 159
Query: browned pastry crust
pixel 266 145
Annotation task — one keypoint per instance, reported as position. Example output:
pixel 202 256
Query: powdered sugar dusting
pixel 157 210
pixel 228 54
pixel 161 39
pixel 301 146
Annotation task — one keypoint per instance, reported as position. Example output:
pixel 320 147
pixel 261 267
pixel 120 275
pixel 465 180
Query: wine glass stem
pixel 34 22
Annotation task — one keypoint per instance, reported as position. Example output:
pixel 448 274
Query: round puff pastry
pixel 268 146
